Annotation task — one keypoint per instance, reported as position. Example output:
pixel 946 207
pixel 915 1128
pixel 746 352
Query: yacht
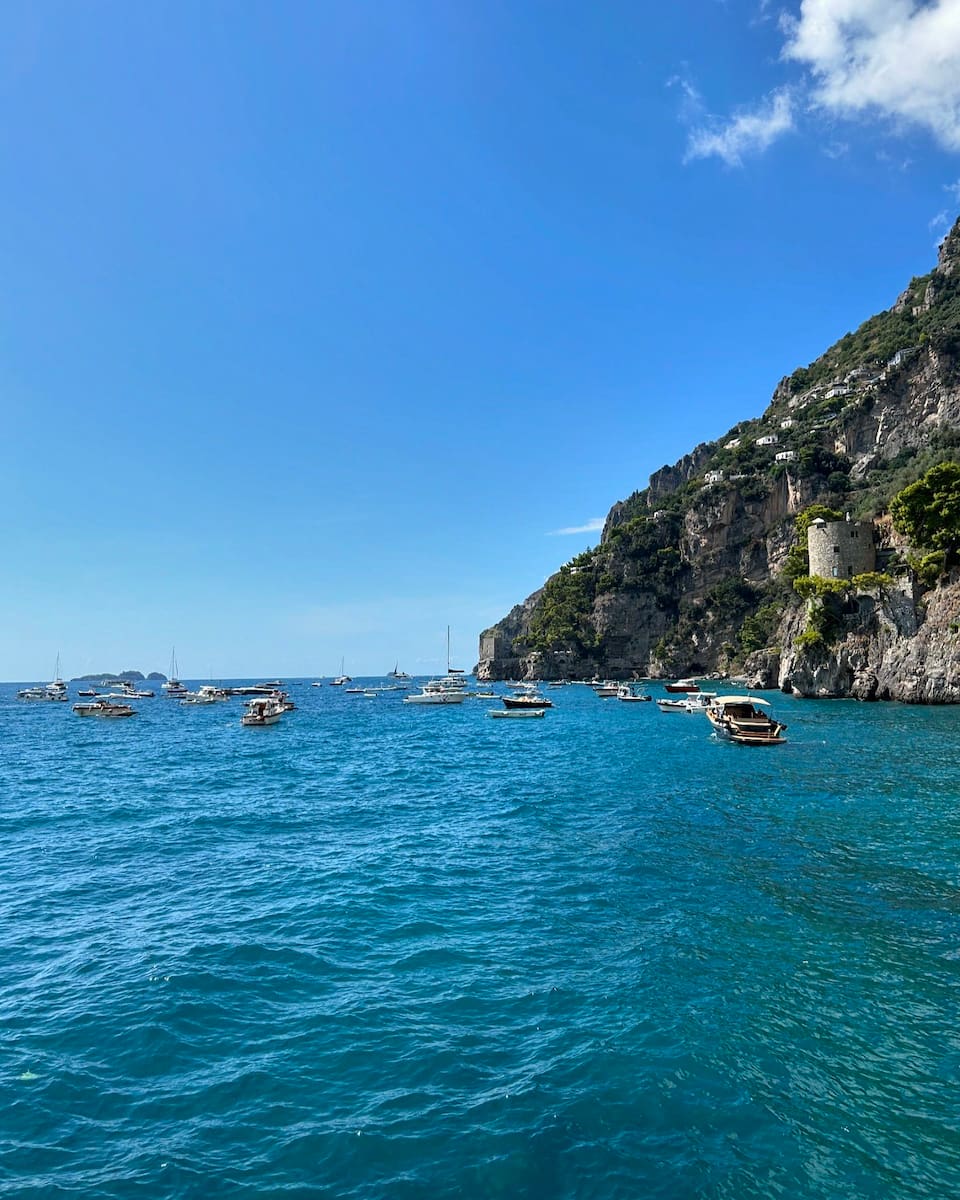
pixel 439 691
pixel 396 673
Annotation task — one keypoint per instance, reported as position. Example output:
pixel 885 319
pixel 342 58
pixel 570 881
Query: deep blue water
pixel 389 951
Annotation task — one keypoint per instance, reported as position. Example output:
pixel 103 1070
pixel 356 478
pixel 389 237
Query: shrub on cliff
pixel 928 511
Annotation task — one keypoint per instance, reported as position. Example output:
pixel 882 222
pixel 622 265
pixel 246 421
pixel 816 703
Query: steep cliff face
pixel 686 577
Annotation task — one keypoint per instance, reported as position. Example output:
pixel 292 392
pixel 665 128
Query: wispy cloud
pixel 896 61
pixel 953 189
pixel 594 525
pixel 748 132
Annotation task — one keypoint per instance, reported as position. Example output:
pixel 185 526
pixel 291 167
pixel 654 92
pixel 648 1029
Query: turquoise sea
pixel 387 951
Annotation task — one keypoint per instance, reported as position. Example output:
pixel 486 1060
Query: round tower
pixel 841 549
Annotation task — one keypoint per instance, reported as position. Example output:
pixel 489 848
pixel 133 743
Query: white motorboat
pixel 697 702
pixel 605 691
pixel 632 695
pixel 262 710
pixel 104 706
pixel 516 712
pixel 438 691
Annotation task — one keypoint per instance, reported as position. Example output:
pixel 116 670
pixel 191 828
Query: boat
pixel 173 686
pixel 516 712
pixel 605 690
pixel 683 685
pixel 632 695
pixel 88 692
pixel 129 688
pixel 56 689
pixel 396 673
pixel 438 691
pixel 262 710
pixel 340 679
pixel 104 706
pixel 741 719
pixel 526 701
pixel 696 702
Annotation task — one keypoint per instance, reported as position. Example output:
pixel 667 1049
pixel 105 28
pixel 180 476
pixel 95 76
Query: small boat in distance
pixel 173 686
pixel 396 673
pixel 741 719
pixel 632 694
pixel 683 685
pixel 341 679
pixel 56 689
pixel 516 712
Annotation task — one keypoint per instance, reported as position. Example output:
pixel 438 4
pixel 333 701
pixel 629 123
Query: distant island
pixel 133 676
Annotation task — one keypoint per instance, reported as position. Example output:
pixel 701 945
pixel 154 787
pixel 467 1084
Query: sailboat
pixel 56 689
pixel 396 673
pixel 173 686
pixel 455 671
pixel 341 679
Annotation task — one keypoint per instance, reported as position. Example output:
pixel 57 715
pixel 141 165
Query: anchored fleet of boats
pixel 741 719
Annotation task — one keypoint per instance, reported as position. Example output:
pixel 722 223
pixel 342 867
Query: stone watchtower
pixel 841 549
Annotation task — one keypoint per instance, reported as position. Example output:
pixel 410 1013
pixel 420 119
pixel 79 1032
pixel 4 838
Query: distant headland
pixel 133 676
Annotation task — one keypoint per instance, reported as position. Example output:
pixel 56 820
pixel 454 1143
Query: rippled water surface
pixel 390 951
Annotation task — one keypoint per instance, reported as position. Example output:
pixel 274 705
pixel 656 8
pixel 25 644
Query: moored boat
pixel 262 710
pixel 516 712
pixel 529 701
pixel 741 719
pixel 104 707
pixel 693 703
pixel 632 695
pixel 683 685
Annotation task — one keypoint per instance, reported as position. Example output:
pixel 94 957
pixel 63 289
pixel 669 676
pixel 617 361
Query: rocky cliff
pixel 692 573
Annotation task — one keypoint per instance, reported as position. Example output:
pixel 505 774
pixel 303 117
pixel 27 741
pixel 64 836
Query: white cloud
pixel 897 59
pixel 749 132
pixel 953 189
pixel 594 525
pixel 939 221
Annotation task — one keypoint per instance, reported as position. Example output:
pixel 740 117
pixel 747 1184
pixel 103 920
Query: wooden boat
pixel 741 719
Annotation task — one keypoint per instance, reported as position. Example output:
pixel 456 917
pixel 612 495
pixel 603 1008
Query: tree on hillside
pixel 928 511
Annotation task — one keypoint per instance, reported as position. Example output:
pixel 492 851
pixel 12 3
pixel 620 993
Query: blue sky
pixel 317 320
